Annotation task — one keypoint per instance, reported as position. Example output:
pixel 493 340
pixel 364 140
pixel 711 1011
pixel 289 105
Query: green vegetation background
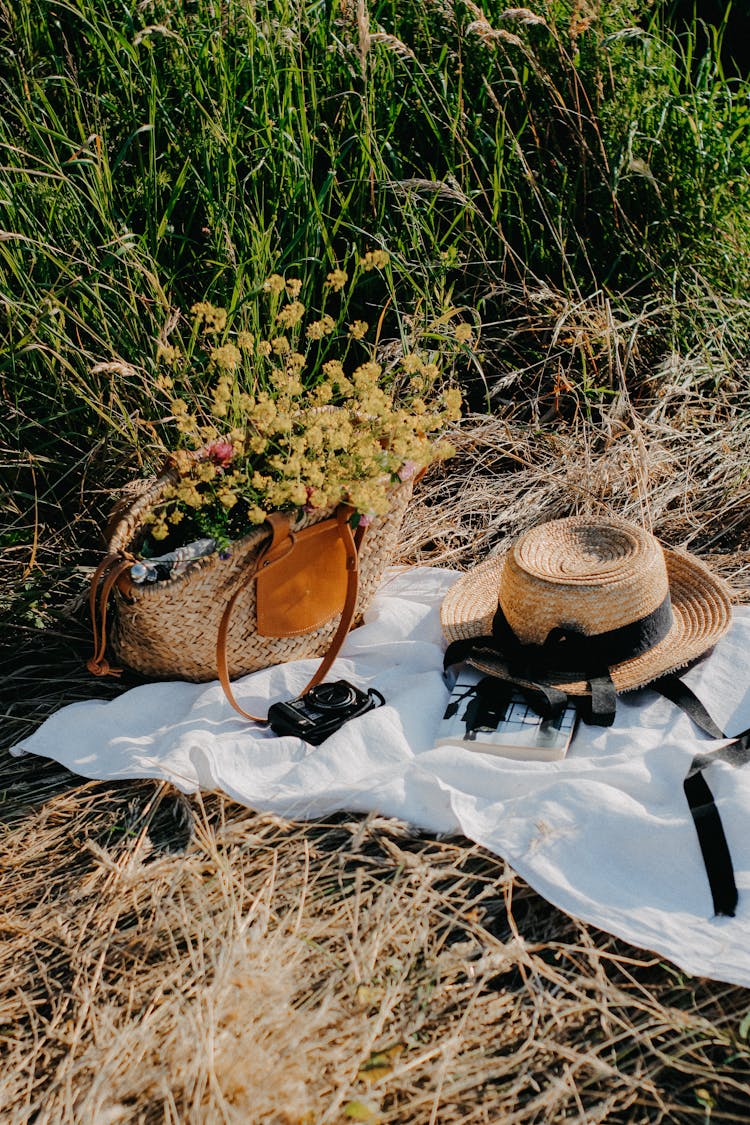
pixel 514 162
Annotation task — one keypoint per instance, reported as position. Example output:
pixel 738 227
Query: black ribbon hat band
pixel 568 650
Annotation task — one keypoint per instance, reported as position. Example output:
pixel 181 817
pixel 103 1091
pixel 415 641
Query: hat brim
pixel 701 608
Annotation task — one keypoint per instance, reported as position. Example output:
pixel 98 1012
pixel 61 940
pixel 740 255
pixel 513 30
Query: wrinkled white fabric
pixel 605 834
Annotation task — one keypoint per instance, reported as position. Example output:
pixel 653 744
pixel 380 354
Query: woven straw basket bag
pixel 169 629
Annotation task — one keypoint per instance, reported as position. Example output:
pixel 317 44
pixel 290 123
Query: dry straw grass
pixel 688 481
pixel 172 959
pixel 272 972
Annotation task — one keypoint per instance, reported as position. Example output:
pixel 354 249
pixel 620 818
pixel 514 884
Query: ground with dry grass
pixel 268 971
pixel 188 960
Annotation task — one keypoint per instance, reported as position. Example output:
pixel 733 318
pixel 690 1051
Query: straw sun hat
pixel 580 597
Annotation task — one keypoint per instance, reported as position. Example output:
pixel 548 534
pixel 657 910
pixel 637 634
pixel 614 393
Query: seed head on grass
pixel 375 260
pixel 291 314
pixel 320 328
pixel 337 279
pixel 212 319
pixel 227 357
pixel 274 284
pixel 168 354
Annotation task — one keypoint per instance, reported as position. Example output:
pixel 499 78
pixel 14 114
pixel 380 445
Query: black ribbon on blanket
pixel 717 857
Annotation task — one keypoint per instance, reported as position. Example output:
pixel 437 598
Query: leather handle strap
pixel 271 555
pixel 109 571
pixel 351 543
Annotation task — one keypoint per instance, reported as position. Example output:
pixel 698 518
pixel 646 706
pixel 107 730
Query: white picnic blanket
pixel 605 834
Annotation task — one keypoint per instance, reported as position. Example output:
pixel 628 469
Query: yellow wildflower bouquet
pixel 305 413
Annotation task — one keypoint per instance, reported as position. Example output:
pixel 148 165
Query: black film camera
pixel 322 710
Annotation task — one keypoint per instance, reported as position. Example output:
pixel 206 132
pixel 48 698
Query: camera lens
pixel 332 697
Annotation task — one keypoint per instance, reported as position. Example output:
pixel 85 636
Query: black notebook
pixel 489 716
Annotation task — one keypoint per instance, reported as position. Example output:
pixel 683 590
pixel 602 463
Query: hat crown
pixel 581 573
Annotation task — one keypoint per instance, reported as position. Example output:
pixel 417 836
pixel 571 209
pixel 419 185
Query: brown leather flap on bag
pixel 306 586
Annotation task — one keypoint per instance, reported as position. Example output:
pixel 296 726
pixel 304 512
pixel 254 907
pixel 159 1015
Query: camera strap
pixel 280 547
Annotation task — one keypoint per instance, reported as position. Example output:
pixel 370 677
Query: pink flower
pixel 366 519
pixel 309 506
pixel 220 452
pixel 408 470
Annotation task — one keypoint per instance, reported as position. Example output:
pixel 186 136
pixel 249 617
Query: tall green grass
pixel 517 162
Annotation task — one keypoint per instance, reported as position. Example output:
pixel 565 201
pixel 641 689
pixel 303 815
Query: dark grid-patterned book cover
pixel 489 717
